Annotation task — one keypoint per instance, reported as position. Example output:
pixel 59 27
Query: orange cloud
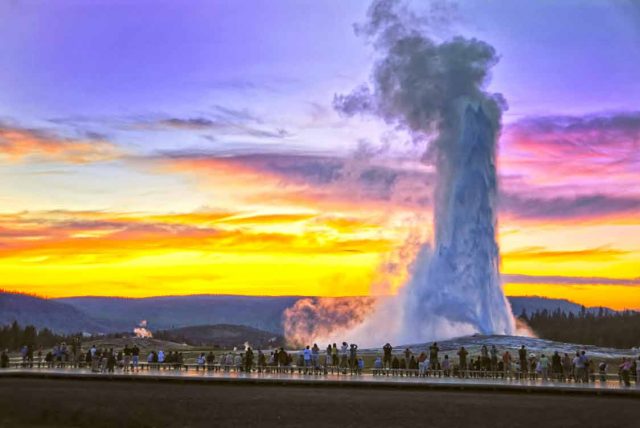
pixel 542 254
pixel 135 255
pixel 17 144
pixel 124 236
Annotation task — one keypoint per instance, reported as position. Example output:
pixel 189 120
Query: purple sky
pixel 115 105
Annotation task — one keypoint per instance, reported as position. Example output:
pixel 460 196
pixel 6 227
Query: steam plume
pixel 324 319
pixel 436 91
pixel 142 331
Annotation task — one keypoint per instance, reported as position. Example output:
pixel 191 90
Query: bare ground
pixel 43 402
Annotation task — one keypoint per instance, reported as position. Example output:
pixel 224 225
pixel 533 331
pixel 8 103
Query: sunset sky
pixel 147 148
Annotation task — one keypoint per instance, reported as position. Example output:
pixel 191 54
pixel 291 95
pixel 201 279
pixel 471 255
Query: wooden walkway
pixel 367 379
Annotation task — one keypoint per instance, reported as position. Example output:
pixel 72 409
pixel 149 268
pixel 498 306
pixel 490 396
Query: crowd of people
pixel 345 359
pixel 491 363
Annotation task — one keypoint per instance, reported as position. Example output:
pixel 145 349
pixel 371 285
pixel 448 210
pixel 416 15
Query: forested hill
pixel 43 313
pixel 600 328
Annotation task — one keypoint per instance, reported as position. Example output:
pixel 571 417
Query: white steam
pixel 142 331
pixel 436 91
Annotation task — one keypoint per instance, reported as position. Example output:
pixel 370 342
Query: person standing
pixel 248 360
pixel 135 357
pixel 306 354
pixel 602 370
pixel 344 356
pixel 353 357
pixel 522 354
pixel 315 357
pixel 4 359
pixel 486 361
pixel 544 367
pixel 578 364
pixel 211 359
pixel 283 358
pixel 625 369
pixel 200 361
pixel 111 361
pixel 567 368
pixel 328 359
pixel 407 356
pixel 387 349
pixel 638 371
pixel 127 357
pixel 433 356
pixel 446 366
pixel 494 358
pixel 584 361
pixel 506 363
pixel 556 366
pixel 462 358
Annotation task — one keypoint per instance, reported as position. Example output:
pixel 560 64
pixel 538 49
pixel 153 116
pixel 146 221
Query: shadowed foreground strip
pixel 37 402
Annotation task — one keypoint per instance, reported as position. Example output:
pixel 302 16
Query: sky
pixel 162 147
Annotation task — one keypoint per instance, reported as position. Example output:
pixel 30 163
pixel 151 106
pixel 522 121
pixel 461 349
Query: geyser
pixel 436 91
pixel 455 289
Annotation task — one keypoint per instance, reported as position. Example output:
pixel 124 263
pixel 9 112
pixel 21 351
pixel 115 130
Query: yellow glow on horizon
pixel 612 296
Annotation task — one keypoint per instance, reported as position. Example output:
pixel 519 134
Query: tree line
pixel 600 328
pixel 14 336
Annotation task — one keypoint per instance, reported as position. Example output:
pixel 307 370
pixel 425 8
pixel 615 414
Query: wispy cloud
pixel 220 120
pixel 577 280
pixel 397 184
pixel 313 178
pixel 540 253
pixel 567 207
pixel 104 236
pixel 596 151
pixel 19 144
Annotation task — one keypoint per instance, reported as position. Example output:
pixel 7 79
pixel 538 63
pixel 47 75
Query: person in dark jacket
pixel 4 359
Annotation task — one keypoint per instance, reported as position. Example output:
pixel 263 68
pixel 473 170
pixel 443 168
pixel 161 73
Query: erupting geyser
pixel 435 90
pixel 456 288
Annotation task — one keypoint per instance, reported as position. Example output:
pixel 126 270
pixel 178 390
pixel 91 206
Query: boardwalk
pixel 367 379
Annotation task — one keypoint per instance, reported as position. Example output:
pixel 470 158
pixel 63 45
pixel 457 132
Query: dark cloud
pixel 569 280
pixel 587 206
pixel 393 182
pixel 615 136
pixel 197 123
pixel 222 121
pixel 239 114
pixel 330 174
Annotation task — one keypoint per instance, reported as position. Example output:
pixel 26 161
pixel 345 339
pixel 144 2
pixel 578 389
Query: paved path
pixel 366 380
pixel 42 402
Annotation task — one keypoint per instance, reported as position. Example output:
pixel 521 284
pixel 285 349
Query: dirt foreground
pixel 95 403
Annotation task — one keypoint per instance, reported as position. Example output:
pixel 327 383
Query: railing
pixel 320 370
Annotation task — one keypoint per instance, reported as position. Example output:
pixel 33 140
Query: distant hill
pixel 222 335
pixel 532 304
pixel 161 313
pixel 41 313
pixel 112 314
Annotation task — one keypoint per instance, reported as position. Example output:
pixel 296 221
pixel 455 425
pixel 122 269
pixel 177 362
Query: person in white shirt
pixel 344 356
pixel 544 367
